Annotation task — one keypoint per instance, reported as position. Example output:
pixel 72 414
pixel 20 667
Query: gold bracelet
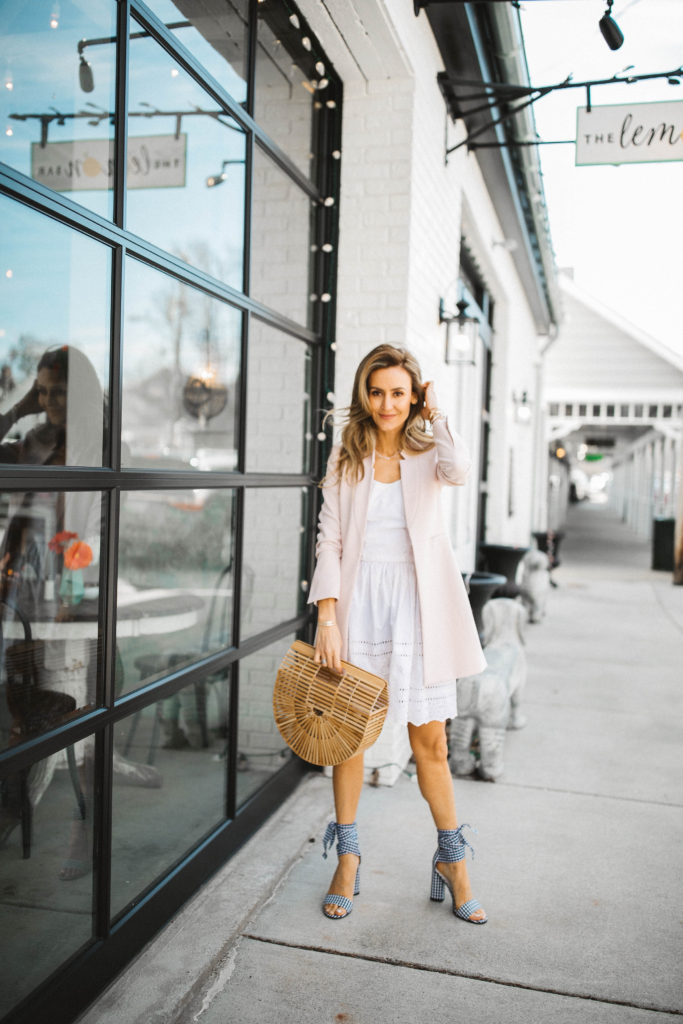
pixel 330 622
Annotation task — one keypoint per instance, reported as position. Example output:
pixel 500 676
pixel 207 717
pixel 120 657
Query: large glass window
pixel 278 402
pixel 156 443
pixel 280 241
pixel 57 62
pixel 55 287
pixel 271 575
pixel 169 784
pixel 180 375
pixel 261 751
pixel 50 609
pixel 216 34
pixel 290 84
pixel 175 580
pixel 186 166
pixel 46 856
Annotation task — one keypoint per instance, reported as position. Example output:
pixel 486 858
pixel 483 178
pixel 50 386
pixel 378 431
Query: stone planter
pixel 480 587
pixel 503 559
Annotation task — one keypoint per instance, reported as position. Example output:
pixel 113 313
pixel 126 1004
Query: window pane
pixel 175 580
pixel 216 34
pixel 50 611
pixel 186 166
pixel 54 340
pixel 261 750
pixel 45 875
pixel 278 402
pixel 180 375
pixel 57 62
pixel 286 85
pixel 271 584
pixel 165 807
pixel 281 217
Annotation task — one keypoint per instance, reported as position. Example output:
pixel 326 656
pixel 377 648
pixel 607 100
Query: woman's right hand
pixel 328 647
pixel 29 405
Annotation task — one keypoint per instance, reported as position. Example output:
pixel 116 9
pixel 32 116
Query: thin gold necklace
pixel 387 457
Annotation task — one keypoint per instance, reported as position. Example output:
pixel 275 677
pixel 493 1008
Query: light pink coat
pixel 451 645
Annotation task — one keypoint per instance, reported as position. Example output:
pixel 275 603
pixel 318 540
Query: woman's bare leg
pixel 347 782
pixel 430 749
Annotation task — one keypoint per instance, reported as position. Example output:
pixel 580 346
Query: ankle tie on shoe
pixel 452 844
pixel 347 838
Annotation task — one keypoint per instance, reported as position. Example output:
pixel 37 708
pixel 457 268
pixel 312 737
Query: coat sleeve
pixel 326 580
pixel 453 460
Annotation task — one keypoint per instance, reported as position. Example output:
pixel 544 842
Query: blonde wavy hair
pixel 360 433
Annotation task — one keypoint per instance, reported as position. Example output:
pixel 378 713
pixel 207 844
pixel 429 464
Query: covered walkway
pixel 578 856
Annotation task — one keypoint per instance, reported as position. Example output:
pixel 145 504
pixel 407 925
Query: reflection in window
pixel 284 95
pixel 280 249
pixel 215 34
pixel 261 751
pixel 180 375
pixel 159 818
pixel 50 612
pixel 271 583
pixel 45 872
pixel 279 380
pixel 54 341
pixel 57 95
pixel 186 166
pixel 175 580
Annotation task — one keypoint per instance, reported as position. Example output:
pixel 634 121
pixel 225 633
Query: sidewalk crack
pixel 597 796
pixel 452 972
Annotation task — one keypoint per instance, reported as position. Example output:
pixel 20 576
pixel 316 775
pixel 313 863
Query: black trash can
pixel 663 543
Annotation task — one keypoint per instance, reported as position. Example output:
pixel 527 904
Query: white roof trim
pixel 655 346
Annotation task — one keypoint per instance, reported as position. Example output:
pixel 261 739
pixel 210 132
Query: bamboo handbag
pixel 325 717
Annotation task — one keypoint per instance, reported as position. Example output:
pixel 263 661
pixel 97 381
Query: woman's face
pixel 52 395
pixel 391 395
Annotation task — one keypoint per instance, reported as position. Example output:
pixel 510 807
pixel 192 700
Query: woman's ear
pixel 413 400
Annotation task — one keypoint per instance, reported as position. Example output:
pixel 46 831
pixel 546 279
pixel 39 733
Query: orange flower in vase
pixel 78 556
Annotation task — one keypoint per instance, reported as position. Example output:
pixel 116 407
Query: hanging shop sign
pixel 629 133
pixel 154 161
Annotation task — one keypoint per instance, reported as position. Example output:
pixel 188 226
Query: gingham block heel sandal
pixel 347 842
pixel 452 846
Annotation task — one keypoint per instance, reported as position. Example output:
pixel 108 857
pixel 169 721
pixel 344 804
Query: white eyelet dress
pixel 385 635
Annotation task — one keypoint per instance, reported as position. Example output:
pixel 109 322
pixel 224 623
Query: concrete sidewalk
pixel 577 858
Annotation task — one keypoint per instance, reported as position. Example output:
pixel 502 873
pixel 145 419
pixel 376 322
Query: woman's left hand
pixel 430 404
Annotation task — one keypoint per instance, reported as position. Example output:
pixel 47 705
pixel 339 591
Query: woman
pixel 391 599
pixel 67 391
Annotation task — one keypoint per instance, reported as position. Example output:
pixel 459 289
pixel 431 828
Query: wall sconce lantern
pixel 462 333
pixel 522 407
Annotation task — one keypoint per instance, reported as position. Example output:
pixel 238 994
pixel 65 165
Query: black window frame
pixel 60 998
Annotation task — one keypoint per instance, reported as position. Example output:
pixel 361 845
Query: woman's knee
pixel 429 743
